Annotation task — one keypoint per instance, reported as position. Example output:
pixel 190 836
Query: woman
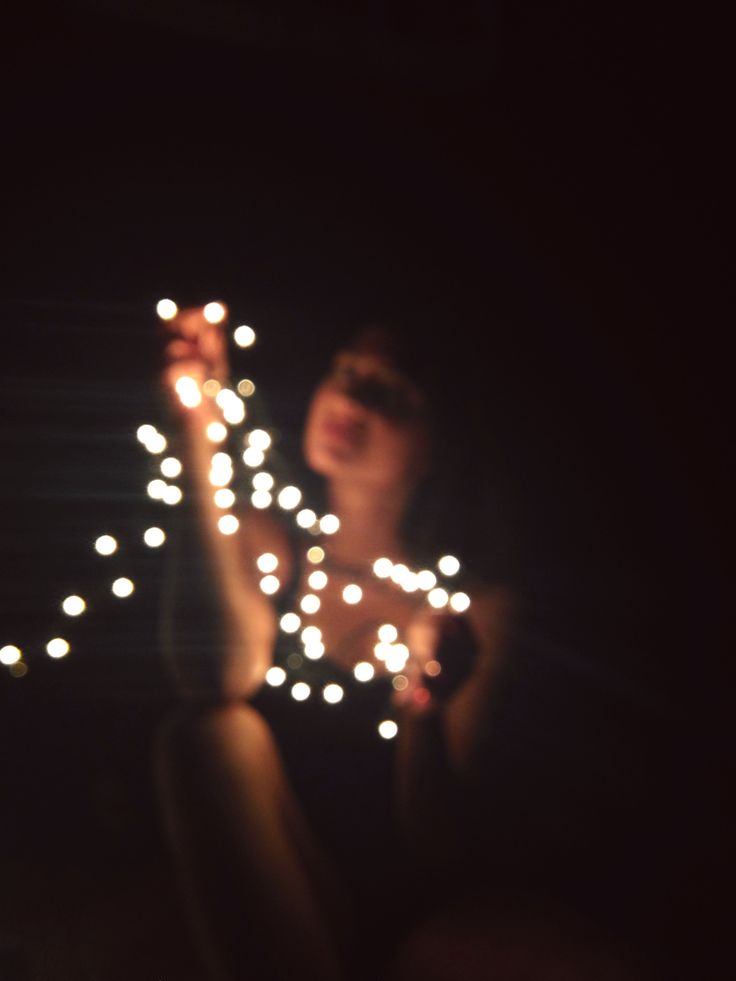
pixel 258 869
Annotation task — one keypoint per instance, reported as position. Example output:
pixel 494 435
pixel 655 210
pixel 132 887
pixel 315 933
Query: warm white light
pixel 10 654
pixel 246 387
pixel 399 573
pixel 315 554
pixel 388 633
pixel 58 647
pixel 438 598
pixel 259 439
pixel 270 585
pixel 352 594
pixel 332 694
pixel 448 565
pixel 363 671
pixel 400 682
pixel 154 537
pixel 306 518
pixel 156 444
pixel 459 602
pixel 289 497
pixel 317 579
pixel 262 481
pixel 433 668
pixel 275 676
pixel 224 498
pixel 310 603
pixel 426 580
pixel 156 489
pixel 145 432
pixel 123 587
pixel 253 457
pixel 166 309
pixel 314 650
pixel 188 391
pixel 214 313
pixel 170 467
pixel 290 623
pixel 216 432
pixel 172 494
pixel 106 545
pixel 382 568
pixel 221 461
pixel 410 582
pixel 387 729
pixel 260 499
pixel 244 335
pixel 211 387
pixel 382 650
pixel 397 657
pixel 267 562
pixel 311 635
pixel 300 691
pixel 220 476
pixel 73 606
pixel 228 524
pixel 329 524
pixel 233 408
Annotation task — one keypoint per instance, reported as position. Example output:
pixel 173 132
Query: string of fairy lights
pixel 297 624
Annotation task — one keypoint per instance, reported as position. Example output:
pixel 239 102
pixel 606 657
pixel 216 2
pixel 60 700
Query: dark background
pixel 533 192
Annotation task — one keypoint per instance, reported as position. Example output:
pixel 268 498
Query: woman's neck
pixel 369 523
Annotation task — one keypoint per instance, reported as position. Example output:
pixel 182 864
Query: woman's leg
pixel 264 899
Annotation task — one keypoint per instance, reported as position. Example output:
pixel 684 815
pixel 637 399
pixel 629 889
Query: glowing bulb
pixel 188 391
pixel 300 691
pixel 246 387
pixel 211 387
pixel 224 498
pixel 275 676
pixel 387 729
pixel 397 657
pixel 154 537
pixel 388 633
pixel 315 554
pixel 260 499
pixel 399 573
pixel 58 647
pixel 144 433
pixel 432 668
pixel 123 587
pixel 317 579
pixel 382 650
pixel 332 694
pixel 382 568
pixel 219 477
pixel 314 650
pixel 290 623
pixel 310 603
pixel 410 582
pixel 73 606
pixel 221 461
pixel 216 432
pixel 170 467
pixel 306 518
pixel 270 585
pixel 156 444
pixel 172 494
pixel 259 439
pixel 329 524
pixel 106 545
pixel 426 580
pixel 166 309
pixel 289 498
pixel 262 481
pixel 400 682
pixel 311 635
pixel 253 457
pixel 438 598
pixel 363 671
pixel 448 565
pixel 352 594
pixel 214 313
pixel 459 602
pixel 228 524
pixel 233 408
pixel 244 335
pixel 10 654
pixel 267 562
pixel 156 489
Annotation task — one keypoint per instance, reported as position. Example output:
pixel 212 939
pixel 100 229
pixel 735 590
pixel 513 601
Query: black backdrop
pixel 529 191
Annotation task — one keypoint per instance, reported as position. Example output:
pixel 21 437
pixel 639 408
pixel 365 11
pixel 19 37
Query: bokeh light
pixel 123 587
pixel 106 545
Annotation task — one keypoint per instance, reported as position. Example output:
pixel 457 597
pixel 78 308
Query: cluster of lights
pixel 389 651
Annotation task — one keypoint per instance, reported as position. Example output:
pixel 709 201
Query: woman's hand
pixel 195 348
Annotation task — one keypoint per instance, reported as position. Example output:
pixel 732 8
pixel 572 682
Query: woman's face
pixel 366 423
